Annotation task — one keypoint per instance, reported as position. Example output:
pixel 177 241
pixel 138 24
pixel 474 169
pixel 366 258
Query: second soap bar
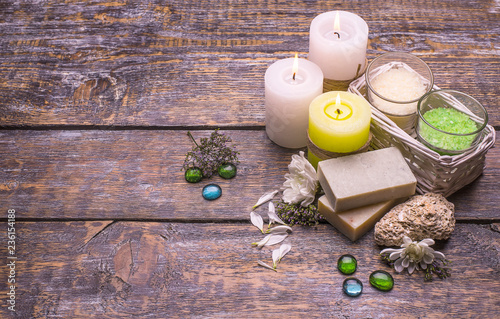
pixel 367 178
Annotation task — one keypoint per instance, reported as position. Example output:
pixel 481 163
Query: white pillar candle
pixel 337 44
pixel 288 95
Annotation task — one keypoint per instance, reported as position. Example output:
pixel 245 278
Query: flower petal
pixel 406 262
pixel 395 255
pixel 406 241
pixel 265 198
pixel 263 264
pixel 276 257
pixel 262 242
pixel 397 265
pixel 257 221
pixel 411 268
pixel 275 239
pixel 284 249
pixel 428 258
pixel 273 217
pixel 439 255
pixel 389 251
pixel 427 241
pixel 423 265
pixel 283 229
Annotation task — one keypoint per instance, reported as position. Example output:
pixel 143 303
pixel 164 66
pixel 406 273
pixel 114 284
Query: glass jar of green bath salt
pixel 450 122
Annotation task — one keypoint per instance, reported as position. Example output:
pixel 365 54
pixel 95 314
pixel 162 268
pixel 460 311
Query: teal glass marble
pixel 352 287
pixel 347 264
pixel 381 280
pixel 193 175
pixel 211 192
pixel 227 170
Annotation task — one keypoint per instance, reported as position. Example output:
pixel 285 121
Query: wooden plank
pixel 137 175
pixel 197 63
pixel 170 270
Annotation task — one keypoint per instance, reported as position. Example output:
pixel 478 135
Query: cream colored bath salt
pixel 399 85
pixel 363 179
pixel 356 222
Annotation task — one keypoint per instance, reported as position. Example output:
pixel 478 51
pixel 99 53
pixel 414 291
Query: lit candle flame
pixel 295 67
pixel 338 103
pixel 336 25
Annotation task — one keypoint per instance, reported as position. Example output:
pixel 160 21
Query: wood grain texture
pixel 137 175
pixel 171 270
pixel 145 63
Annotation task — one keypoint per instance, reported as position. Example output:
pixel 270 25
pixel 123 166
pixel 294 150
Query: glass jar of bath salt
pixel 450 122
pixel 395 82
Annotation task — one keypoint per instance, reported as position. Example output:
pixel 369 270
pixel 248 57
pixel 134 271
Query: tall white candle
pixel 288 95
pixel 337 44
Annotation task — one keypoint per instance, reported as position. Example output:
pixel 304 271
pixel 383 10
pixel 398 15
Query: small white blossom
pixel 413 255
pixel 301 181
pixel 263 264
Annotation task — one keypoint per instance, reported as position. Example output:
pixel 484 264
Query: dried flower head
pixel 211 153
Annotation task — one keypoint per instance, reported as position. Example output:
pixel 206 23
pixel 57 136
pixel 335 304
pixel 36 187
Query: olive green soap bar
pixel 367 178
pixel 355 222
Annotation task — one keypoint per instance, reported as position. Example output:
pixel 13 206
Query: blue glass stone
pixel 211 192
pixel 352 287
pixel 227 170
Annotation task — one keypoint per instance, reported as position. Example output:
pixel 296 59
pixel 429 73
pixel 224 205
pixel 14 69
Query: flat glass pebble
pixel 347 264
pixel 227 170
pixel 352 287
pixel 211 192
pixel 193 175
pixel 381 280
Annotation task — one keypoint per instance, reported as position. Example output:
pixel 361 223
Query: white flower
pixel 301 183
pixel 413 255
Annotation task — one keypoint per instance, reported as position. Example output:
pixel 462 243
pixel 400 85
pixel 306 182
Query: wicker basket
pixel 434 173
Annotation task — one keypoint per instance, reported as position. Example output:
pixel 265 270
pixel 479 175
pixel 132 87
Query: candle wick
pixel 338 34
pixel 339 112
pixel 293 77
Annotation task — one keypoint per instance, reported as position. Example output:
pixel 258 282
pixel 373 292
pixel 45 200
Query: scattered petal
pixel 265 198
pixel 272 215
pixel 284 249
pixel 263 264
pixel 276 257
pixel 275 239
pixel 279 253
pixel 257 221
pixel 263 241
pixel 283 229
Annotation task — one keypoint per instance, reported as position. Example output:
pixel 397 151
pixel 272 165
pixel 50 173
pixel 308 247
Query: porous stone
pixel 422 216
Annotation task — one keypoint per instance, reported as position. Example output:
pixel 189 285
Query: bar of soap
pixel 367 178
pixel 356 222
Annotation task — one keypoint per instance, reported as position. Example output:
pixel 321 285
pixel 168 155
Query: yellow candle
pixel 338 122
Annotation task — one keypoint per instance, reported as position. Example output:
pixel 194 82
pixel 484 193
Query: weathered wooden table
pixel 95 102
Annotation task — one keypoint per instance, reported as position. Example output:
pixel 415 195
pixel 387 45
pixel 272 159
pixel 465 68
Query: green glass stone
pixel 193 175
pixel 352 287
pixel 227 170
pixel 347 264
pixel 381 280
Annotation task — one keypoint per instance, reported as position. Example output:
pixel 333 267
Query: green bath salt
pixel 451 121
